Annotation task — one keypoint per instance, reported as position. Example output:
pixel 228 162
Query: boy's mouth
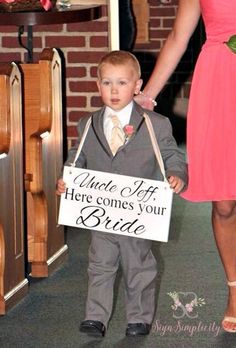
pixel 115 100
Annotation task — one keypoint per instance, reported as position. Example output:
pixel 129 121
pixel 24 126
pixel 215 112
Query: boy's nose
pixel 114 89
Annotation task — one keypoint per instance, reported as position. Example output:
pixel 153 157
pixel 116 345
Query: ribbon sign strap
pixel 86 128
pixel 155 145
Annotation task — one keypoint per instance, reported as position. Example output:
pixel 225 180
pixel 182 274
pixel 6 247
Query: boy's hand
pixel 176 183
pixel 61 187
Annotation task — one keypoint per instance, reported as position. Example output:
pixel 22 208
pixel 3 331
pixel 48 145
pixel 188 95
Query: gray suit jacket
pixel 135 158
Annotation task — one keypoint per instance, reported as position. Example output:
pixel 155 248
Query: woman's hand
pixel 145 101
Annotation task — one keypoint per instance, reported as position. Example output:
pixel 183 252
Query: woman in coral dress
pixel 211 120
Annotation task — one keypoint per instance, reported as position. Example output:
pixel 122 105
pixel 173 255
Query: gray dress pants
pixel 139 268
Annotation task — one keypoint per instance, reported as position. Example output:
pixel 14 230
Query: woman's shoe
pixel 229 323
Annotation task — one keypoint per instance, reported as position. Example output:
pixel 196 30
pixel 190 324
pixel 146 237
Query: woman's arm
pixel 187 18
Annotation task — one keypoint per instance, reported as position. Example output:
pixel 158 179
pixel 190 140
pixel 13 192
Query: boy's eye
pixel 105 83
pixel 122 83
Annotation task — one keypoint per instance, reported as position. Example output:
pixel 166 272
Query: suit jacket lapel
pixel 136 118
pixel 97 124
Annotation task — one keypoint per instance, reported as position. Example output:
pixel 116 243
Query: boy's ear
pixel 98 86
pixel 138 86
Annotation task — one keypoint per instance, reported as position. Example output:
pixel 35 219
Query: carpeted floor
pixel 189 266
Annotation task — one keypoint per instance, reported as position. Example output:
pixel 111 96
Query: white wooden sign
pixel 113 203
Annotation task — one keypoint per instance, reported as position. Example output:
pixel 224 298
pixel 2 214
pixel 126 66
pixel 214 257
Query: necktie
pixel 117 135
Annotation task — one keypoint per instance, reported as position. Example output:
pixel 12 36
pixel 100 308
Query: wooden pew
pixel 43 161
pixel 13 283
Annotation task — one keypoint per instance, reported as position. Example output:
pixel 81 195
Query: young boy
pixel 118 82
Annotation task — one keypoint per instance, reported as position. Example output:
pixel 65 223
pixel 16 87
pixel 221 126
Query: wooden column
pixel 43 162
pixel 13 284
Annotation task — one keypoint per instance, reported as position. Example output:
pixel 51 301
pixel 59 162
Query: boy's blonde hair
pixel 120 58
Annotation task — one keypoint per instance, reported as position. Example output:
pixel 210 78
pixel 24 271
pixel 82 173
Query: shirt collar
pixel 123 114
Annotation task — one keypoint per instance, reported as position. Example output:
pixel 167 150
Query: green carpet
pixel 49 316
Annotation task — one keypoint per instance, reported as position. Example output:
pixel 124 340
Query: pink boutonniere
pixel 129 131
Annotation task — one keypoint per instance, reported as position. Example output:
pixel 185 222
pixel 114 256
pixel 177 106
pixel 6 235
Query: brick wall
pixel 83 44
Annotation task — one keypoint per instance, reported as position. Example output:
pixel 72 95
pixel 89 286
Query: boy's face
pixel 117 85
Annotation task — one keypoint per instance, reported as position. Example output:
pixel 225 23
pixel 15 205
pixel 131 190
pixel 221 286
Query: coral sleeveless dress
pixel 211 120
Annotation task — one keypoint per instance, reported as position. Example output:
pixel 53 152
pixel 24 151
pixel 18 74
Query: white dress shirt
pixel 123 115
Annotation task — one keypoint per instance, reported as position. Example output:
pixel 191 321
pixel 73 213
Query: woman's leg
pixel 224 227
